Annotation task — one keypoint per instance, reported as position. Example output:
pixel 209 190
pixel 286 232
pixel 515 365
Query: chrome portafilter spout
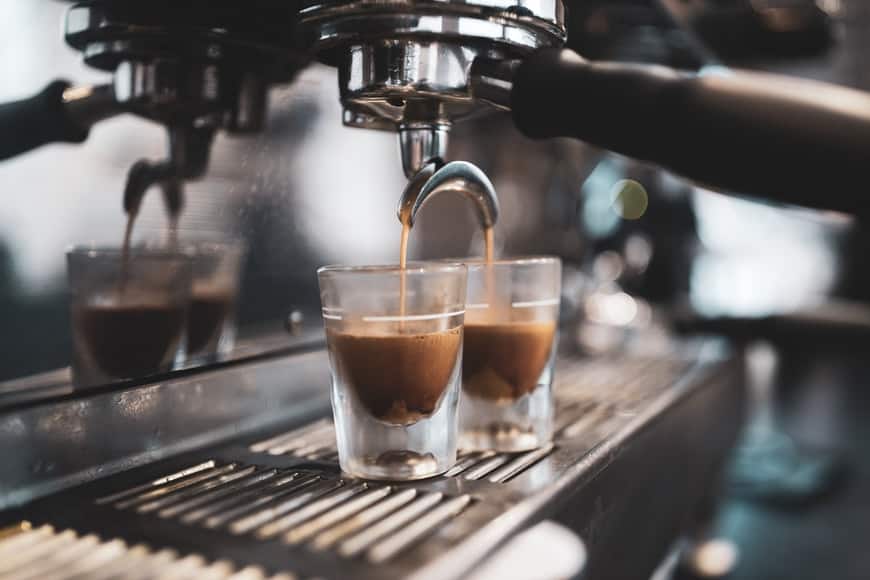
pixel 404 65
pixel 456 177
pixel 189 149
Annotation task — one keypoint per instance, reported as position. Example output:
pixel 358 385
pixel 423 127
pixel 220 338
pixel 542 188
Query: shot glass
pixel 211 321
pixel 510 336
pixel 395 351
pixel 128 316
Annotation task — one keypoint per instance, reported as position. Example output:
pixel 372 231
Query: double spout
pixel 455 177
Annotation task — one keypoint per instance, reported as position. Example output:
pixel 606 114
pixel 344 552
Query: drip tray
pixel 46 554
pixel 316 442
pixel 297 507
pixel 277 504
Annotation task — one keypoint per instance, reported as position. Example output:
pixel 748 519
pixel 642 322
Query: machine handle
pixel 787 140
pixel 40 119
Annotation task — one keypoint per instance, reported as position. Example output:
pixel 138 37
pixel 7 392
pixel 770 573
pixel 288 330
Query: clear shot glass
pixel 128 316
pixel 511 329
pixel 395 350
pixel 211 319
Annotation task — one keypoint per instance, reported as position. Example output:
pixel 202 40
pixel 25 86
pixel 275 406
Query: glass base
pixel 507 425
pixel 505 437
pixel 369 448
pixel 399 465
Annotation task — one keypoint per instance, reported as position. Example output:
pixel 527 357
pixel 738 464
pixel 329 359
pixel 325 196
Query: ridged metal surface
pixel 45 553
pixel 588 395
pixel 309 508
pixel 279 500
pixel 312 507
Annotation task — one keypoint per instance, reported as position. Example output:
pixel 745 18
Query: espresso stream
pixel 501 360
pixel 125 252
pixel 129 333
pixel 400 377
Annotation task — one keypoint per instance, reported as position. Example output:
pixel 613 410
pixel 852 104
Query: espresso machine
pixel 230 470
pixel 194 69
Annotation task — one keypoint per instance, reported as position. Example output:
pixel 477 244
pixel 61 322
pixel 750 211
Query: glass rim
pixel 511 261
pixel 421 267
pixel 198 249
pixel 84 251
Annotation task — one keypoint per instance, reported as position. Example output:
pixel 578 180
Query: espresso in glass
pixel 503 361
pixel 508 353
pixel 394 338
pixel 399 378
pixel 211 319
pixel 128 312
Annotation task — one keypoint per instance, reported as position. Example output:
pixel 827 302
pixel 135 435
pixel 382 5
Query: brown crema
pixel 504 361
pixel 398 378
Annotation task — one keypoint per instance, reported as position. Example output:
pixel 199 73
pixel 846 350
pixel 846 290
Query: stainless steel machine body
pixel 406 65
pixel 237 462
pixel 238 466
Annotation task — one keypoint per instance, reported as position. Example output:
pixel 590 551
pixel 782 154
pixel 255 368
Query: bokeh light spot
pixel 630 199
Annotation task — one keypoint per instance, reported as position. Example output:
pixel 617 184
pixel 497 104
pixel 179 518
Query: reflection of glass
pixel 768 464
pixel 395 364
pixel 127 321
pixel 211 319
pixel 510 333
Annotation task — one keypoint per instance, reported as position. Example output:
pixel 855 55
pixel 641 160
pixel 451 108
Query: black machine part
pixel 778 138
pixel 58 113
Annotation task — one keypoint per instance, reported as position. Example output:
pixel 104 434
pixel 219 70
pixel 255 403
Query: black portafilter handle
pixel 774 137
pixel 38 120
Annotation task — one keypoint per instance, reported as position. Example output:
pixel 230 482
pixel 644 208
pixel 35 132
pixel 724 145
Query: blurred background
pixel 644 251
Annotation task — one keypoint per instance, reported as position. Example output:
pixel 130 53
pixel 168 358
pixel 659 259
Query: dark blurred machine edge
pixel 635 435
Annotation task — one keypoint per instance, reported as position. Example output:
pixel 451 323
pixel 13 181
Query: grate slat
pixel 520 464
pixel 309 511
pixel 467 461
pixel 253 492
pixel 235 513
pixel 374 514
pixel 194 490
pixel 368 536
pixel 265 515
pixel 174 486
pixel 417 529
pixel 310 528
pixel 157 482
pixel 481 469
pixel 231 487
pixel 51 555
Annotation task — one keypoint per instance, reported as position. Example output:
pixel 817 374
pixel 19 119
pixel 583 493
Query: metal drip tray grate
pixel 297 507
pixel 316 442
pixel 277 499
pixel 44 553
pixel 589 394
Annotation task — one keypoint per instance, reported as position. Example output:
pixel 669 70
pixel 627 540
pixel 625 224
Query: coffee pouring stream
pixel 457 177
pixel 435 178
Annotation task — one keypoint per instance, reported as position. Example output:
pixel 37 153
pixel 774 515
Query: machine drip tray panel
pixel 276 503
